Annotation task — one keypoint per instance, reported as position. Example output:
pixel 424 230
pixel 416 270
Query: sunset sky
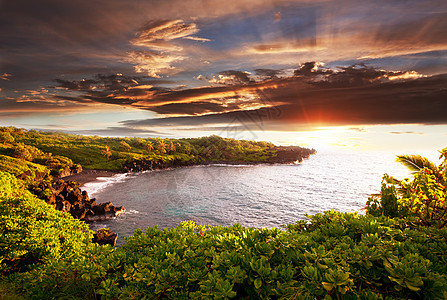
pixel 356 74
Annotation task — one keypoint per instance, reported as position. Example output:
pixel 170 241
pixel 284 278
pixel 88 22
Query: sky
pixel 347 74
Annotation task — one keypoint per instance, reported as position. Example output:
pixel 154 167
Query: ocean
pixel 252 195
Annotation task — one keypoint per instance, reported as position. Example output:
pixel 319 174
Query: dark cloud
pixel 268 73
pixel 349 95
pixel 238 76
pixel 77 85
pixel 412 101
pixel 194 108
pixel 250 117
pixel 354 75
pixel 306 69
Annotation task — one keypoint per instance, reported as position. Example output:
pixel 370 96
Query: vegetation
pixel 422 199
pixel 95 152
pixel 397 250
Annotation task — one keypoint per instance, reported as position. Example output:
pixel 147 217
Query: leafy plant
pixel 423 197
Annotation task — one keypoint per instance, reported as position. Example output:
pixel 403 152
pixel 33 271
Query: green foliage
pixel 46 254
pixel 333 255
pixel 387 202
pixel 425 197
pixel 422 198
pixel 125 146
pixel 33 233
pixel 112 153
pixel 18 167
pixel 6 137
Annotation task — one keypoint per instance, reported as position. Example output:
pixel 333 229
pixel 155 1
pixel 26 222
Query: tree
pixel 161 147
pixel 125 146
pixel 6 137
pixel 149 146
pixel 171 147
pixel 416 163
pixel 107 152
pixel 423 197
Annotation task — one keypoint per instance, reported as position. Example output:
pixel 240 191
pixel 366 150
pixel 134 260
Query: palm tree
pixel 107 152
pixel 149 146
pixel 415 163
pixel 161 146
pixel 426 193
pixel 171 147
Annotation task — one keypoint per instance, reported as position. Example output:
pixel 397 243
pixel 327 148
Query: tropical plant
pixel 107 152
pixel 161 146
pixel 171 147
pixel 423 197
pixel 149 146
pixel 331 256
pixel 6 137
pixel 125 146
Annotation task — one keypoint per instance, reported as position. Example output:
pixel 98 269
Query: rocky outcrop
pixel 290 154
pixel 68 197
pixel 70 170
pixel 105 236
pixel 145 165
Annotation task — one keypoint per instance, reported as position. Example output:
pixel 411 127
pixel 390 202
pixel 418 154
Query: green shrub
pixel 387 203
pixel 31 232
pixel 18 167
pixel 333 255
pixel 422 198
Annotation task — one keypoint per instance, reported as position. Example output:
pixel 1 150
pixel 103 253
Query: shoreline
pixel 90 175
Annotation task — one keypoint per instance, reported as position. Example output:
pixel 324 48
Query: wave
pixel 101 183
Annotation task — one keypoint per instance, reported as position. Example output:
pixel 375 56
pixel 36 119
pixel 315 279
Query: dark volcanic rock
pixel 68 197
pixel 70 170
pixel 105 236
pixel 144 165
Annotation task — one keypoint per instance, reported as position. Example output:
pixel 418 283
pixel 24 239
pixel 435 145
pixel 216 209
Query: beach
pixel 89 175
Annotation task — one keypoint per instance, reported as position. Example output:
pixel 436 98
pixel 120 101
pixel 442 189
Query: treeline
pixel 112 153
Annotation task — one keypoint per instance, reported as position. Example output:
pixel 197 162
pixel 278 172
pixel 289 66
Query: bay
pixel 252 195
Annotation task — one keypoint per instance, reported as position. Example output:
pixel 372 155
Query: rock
pixel 68 197
pixel 63 206
pixel 70 170
pixel 290 154
pixel 105 236
pixel 66 171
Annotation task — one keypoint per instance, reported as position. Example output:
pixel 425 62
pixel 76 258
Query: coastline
pixel 90 175
pixel 285 155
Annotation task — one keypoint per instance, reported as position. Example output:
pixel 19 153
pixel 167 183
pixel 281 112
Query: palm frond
pixel 416 162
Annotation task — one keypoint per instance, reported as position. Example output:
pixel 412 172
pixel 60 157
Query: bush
pixel 31 232
pixel 334 255
pixel 422 198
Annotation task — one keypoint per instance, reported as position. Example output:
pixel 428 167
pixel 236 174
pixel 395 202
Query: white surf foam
pixel 94 187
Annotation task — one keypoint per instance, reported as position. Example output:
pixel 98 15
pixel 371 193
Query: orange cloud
pixel 162 31
pixel 5 76
pixel 154 63
pixel 159 37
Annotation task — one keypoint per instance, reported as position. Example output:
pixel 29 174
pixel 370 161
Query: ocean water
pixel 253 195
